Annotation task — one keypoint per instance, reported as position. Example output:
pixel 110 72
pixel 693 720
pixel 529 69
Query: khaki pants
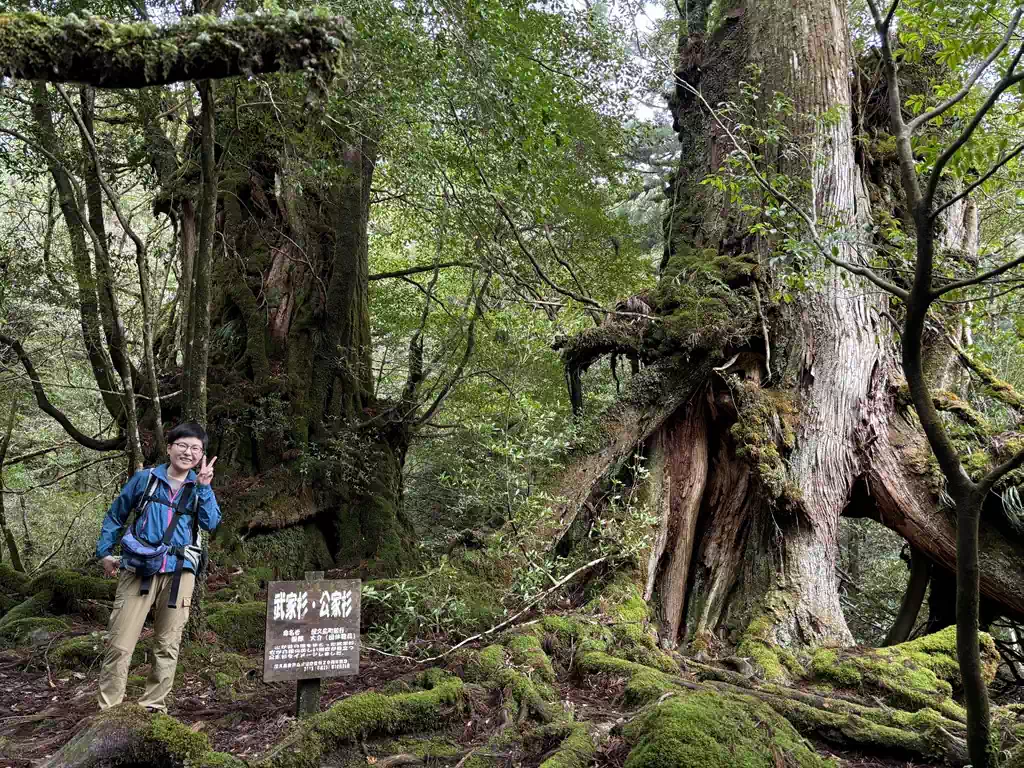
pixel 130 610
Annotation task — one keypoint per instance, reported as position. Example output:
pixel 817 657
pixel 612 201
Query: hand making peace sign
pixel 205 471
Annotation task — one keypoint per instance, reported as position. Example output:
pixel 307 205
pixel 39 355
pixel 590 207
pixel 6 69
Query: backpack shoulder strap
pixel 147 496
pixel 180 505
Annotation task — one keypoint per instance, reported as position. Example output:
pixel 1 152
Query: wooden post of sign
pixel 307 692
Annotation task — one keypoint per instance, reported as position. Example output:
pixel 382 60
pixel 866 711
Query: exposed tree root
pixel 684 712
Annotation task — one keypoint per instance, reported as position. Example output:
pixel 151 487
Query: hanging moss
pixel 89 49
pixel 716 730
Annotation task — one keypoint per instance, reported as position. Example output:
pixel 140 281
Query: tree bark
pixel 198 346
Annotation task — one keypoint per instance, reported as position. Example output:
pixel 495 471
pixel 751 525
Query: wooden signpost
pixel 312 633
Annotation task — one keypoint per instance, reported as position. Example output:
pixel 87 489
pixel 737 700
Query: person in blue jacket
pixel 147 504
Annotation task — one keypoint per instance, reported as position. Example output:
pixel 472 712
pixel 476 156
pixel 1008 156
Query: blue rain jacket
pixel 158 514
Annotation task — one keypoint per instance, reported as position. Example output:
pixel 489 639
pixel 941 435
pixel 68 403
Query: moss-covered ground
pixel 589 686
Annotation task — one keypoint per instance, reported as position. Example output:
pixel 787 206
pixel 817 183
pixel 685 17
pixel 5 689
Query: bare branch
pixel 975 184
pixel 50 409
pixel 988 481
pixel 891 13
pixel 470 346
pixel 925 117
pixel 904 152
pixel 1008 81
pixel 958 284
pixel 417 270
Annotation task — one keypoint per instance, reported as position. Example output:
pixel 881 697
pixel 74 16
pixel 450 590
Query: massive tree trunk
pixel 804 420
pixel 785 440
pixel 312 461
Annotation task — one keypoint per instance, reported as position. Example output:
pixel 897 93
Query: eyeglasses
pixel 191 450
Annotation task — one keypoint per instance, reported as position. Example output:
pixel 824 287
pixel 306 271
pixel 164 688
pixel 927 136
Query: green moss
pixel 632 635
pixel 575 750
pixel 825 665
pixel 758 641
pixel 643 683
pixel 915 675
pixel 20 630
pixel 881 730
pixel 12 581
pixel 527 652
pixel 489 667
pixel 368 713
pixel 426 749
pixel 716 730
pixel 764 434
pixel 242 626
pixel 99 52
pixel 219 760
pixel 68 586
pixel 294 549
pixel 246 588
pixel 145 739
pixel 31 607
pixel 705 299
pixel 82 651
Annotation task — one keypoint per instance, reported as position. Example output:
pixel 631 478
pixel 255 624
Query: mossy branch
pixel 995 387
pixel 96 52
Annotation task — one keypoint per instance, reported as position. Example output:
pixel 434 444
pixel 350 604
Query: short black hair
pixel 188 430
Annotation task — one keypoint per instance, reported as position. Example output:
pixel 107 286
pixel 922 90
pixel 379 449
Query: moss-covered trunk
pixel 784 440
pixel 805 418
pixel 311 479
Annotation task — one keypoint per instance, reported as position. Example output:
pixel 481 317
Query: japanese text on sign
pixel 293 606
pixel 312 629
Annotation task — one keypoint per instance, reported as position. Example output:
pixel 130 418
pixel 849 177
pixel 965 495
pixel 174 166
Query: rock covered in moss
pixel 128 735
pixel 241 626
pixel 82 651
pixel 31 607
pixel 34 629
pixel 70 585
pixel 716 730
